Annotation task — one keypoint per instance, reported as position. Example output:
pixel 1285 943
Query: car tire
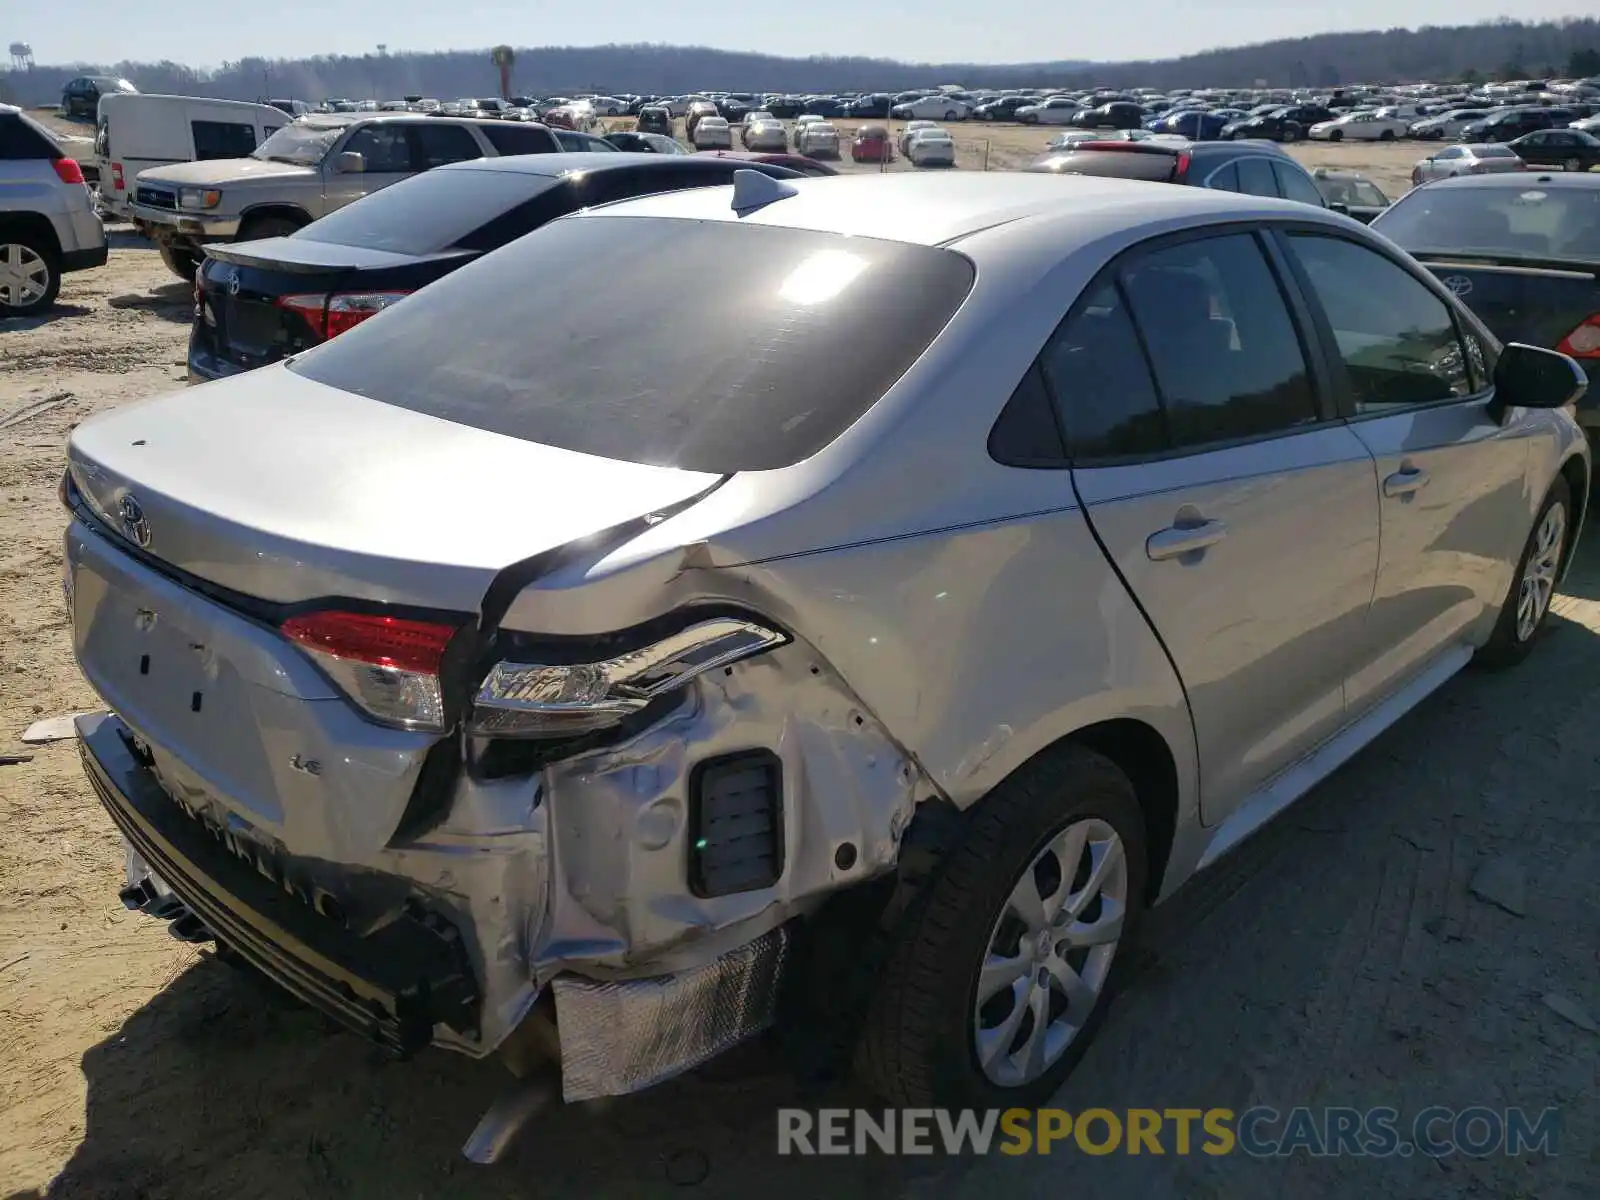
pixel 1336 135
pixel 1572 164
pixel 1291 133
pixel 1538 570
pixel 950 115
pixel 1386 136
pixel 185 264
pixel 39 270
pixel 925 1025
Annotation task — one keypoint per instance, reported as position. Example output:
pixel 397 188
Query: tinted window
pixel 1398 340
pixel 1026 435
pixel 1226 180
pixel 427 212
pixel 383 146
pixel 437 145
pixel 1115 163
pixel 1295 184
pixel 1531 221
pixel 222 139
pixel 20 138
pixel 1101 381
pixel 1256 177
pixel 766 367
pixel 1227 360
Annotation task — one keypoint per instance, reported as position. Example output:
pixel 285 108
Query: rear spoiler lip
pixel 244 258
pixel 1509 264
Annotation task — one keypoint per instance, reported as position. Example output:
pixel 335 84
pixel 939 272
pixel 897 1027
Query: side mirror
pixel 350 162
pixel 1342 209
pixel 1530 377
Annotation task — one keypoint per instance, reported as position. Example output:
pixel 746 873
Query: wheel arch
pixel 262 212
pixel 36 224
pixel 1576 472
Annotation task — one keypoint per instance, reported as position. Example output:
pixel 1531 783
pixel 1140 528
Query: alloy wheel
pixel 1050 953
pixel 24 276
pixel 1539 576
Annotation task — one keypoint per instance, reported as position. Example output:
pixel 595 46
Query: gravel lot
pixel 1340 959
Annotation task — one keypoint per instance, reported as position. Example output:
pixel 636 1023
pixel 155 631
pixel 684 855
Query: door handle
pixel 1406 482
pixel 1183 539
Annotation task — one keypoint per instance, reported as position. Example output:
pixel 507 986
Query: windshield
pixel 763 369
pixel 303 145
pixel 1518 222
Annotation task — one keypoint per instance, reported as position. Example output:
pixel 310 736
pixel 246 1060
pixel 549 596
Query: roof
pixel 937 209
pixel 585 162
pixel 1507 180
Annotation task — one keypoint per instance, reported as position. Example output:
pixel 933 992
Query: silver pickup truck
pixel 304 171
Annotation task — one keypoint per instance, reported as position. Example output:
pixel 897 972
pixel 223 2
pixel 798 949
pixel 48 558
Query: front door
pixel 1243 522
pixel 386 151
pixel 1416 390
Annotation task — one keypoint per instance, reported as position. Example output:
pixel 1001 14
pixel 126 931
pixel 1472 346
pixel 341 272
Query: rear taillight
pixel 331 315
pixel 389 666
pixel 68 170
pixel 1182 168
pixel 1584 341
pixel 116 178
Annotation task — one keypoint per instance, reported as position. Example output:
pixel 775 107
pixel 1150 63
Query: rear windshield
pixel 1117 164
pixel 1527 222
pixel 748 347
pixel 21 137
pixel 427 213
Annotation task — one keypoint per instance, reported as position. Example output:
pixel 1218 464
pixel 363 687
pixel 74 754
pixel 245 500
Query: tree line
pixel 1502 49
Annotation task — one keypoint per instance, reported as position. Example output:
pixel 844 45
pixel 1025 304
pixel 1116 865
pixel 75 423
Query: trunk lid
pixel 283 489
pixel 241 320
pixel 1535 302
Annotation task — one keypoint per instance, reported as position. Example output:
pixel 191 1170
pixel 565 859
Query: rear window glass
pixel 748 348
pixel 1530 221
pixel 222 139
pixel 1117 164
pixel 427 212
pixel 21 137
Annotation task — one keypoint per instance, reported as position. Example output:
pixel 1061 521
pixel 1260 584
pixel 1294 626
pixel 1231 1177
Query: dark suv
pixel 1254 167
pixel 1513 123
pixel 81 96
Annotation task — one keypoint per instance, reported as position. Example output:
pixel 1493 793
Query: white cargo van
pixel 134 133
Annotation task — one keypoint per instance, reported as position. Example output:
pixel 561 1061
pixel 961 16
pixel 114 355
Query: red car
pixel 795 162
pixel 872 144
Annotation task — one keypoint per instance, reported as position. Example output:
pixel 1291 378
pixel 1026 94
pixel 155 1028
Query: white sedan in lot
pixel 816 138
pixel 1057 110
pixel 767 135
pixel 1360 127
pixel 712 133
pixel 937 108
pixel 910 128
pixel 931 148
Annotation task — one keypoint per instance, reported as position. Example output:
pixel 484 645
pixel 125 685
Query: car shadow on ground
pixel 124 238
pixel 171 302
pixel 1336 959
pixel 57 312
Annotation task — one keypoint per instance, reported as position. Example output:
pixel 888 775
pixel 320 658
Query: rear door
pixel 1241 518
pixel 1414 385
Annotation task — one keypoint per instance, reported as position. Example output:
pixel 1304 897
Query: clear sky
pixel 923 31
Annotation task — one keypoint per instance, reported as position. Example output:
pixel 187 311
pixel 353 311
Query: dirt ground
pixel 1339 959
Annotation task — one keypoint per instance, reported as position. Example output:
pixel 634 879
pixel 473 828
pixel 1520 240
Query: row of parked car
pixel 577 658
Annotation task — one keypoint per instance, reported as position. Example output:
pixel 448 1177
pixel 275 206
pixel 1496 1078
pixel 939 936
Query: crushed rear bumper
pixel 392 985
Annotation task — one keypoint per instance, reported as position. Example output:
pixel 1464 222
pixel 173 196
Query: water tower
pixel 21 56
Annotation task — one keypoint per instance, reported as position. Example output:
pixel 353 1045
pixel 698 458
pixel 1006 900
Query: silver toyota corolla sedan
pixel 1020 545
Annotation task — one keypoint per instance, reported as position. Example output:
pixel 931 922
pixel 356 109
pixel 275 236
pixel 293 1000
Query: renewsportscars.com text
pixel 1261 1132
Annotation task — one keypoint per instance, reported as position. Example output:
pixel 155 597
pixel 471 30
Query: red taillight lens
pixel 331 315
pixel 388 666
pixel 116 178
pixel 68 170
pixel 1182 169
pixel 1584 341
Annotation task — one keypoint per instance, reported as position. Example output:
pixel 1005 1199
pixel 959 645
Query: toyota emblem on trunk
pixel 134 524
pixel 1458 284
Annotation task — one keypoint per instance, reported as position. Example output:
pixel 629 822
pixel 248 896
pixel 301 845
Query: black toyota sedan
pixel 257 302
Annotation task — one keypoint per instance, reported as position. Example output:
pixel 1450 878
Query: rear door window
pixel 222 139
pixel 1225 353
pixel 436 145
pixel 1256 177
pixel 1097 370
pixel 21 138
pixel 746 346
pixel 510 138
pixel 1295 184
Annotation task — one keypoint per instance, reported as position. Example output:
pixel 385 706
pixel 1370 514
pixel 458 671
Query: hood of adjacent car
pixel 226 172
